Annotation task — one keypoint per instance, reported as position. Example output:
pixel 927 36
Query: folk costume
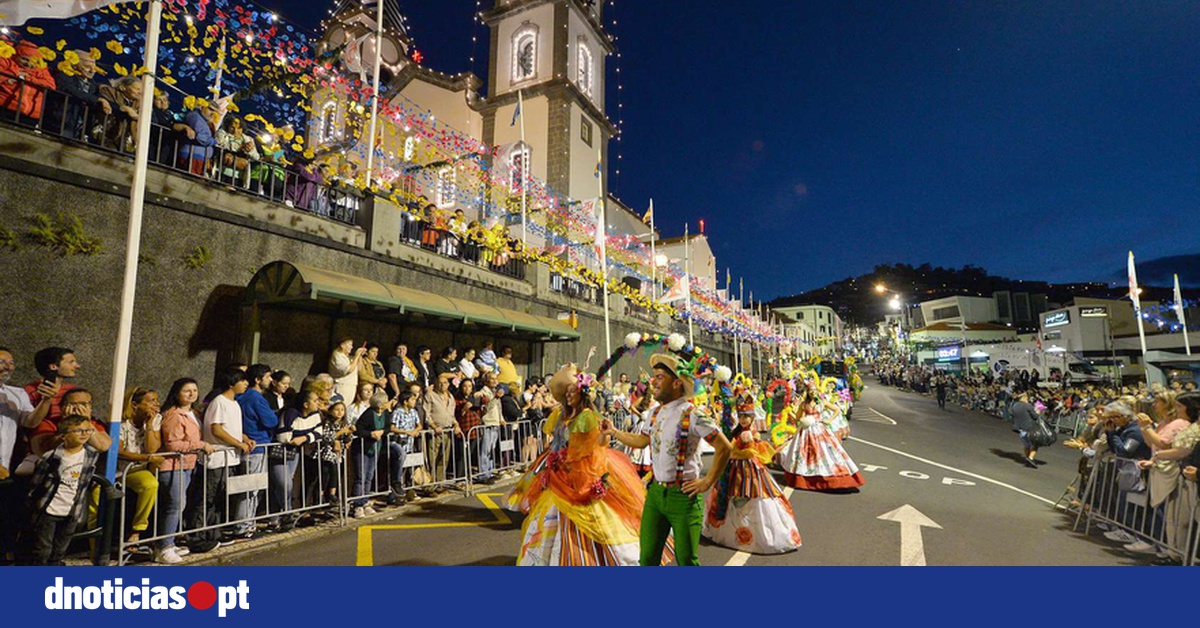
pixel 747 511
pixel 814 459
pixel 583 500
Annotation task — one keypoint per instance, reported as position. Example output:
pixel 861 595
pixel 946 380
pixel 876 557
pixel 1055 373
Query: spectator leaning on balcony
pixel 24 80
pixel 195 153
pixel 239 149
pixel 120 129
pixel 82 104
pixel 167 129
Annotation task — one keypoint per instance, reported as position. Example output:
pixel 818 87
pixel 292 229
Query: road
pixel 949 484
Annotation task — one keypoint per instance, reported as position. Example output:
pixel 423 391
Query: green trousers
pixel 669 509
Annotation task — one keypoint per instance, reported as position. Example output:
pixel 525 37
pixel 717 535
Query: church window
pixel 524 61
pixel 329 122
pixel 585 73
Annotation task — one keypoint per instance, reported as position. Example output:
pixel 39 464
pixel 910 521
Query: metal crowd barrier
pixel 1170 526
pixel 278 486
pixel 496 449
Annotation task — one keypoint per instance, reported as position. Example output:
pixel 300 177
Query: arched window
pixel 447 187
pixel 518 167
pixel 524 53
pixel 585 72
pixel 329 122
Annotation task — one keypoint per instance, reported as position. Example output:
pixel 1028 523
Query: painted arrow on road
pixel 912 547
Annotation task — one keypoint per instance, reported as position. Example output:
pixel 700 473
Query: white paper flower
pixel 632 340
pixel 724 373
pixel 675 342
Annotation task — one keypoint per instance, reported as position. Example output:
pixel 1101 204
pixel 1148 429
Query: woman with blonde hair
pixel 140 439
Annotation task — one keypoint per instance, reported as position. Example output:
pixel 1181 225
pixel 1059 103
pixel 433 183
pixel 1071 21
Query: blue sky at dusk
pixel 1040 140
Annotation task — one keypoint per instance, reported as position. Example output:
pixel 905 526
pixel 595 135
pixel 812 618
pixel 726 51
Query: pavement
pixel 943 487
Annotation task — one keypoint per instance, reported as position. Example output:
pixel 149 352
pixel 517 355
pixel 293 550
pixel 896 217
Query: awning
pixel 307 287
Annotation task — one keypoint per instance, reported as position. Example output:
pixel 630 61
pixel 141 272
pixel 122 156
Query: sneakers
pixel 1120 536
pixel 1029 463
pixel 168 556
pixel 1141 547
pixel 182 551
pixel 367 510
pixel 203 547
pixel 410 495
pixel 359 512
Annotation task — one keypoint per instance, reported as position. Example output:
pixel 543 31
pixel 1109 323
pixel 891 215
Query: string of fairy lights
pixel 271 71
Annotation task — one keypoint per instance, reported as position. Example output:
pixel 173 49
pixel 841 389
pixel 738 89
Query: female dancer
pixel 814 459
pixel 747 511
pixel 583 501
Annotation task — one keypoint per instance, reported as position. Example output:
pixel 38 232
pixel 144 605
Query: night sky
pixel 1040 140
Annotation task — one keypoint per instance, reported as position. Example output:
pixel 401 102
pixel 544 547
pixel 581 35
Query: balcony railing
pixel 455 245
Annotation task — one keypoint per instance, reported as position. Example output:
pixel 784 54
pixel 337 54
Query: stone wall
pixel 190 320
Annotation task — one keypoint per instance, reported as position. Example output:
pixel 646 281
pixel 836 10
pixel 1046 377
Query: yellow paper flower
pixel 6 50
pixel 115 47
pixel 33 30
pixel 47 53
pixel 120 69
pixel 95 52
pixel 62 43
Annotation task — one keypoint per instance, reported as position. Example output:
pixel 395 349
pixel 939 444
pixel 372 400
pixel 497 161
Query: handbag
pixel 421 476
pixel 1129 476
pixel 1041 435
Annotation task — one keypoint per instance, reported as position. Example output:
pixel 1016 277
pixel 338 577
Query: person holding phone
pixel 54 365
pixel 343 366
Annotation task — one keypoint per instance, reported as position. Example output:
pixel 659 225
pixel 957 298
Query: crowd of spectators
pixel 1151 431
pixel 178 453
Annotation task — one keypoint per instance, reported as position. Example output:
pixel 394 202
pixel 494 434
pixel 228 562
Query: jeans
pixel 172 499
pixel 246 505
pixel 487 446
pixel 364 476
pixel 51 537
pixel 396 455
pixel 207 504
pixel 282 473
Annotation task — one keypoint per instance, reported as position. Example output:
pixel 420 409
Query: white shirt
pixel 345 379
pixel 468 370
pixel 664 440
pixel 228 414
pixel 355 410
pixel 133 438
pixel 69 469
pixel 15 407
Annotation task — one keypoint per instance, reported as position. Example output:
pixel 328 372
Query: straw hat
pixel 671 363
pixel 561 381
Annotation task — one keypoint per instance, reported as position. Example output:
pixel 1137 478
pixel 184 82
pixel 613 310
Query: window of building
pixel 585 130
pixel 329 122
pixel 585 74
pixel 518 166
pixel 447 188
pixel 524 55
pixel 942 313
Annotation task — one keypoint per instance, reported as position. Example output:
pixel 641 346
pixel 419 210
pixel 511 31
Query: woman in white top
pixel 466 365
pixel 343 366
pixel 361 403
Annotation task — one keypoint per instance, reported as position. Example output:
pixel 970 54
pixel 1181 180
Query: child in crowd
pixel 59 494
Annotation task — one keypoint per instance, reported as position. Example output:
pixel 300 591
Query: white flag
pixel 1179 303
pixel 16 12
pixel 1133 287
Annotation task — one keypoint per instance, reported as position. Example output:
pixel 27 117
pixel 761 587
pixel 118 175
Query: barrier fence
pixel 1157 506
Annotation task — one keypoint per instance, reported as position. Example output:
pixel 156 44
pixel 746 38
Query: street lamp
pixel 896 303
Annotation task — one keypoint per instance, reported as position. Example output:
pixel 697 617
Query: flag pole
pixel 1137 313
pixel 602 234
pixel 133 239
pixel 687 278
pixel 653 257
pixel 375 95
pixel 525 165
pixel 1179 309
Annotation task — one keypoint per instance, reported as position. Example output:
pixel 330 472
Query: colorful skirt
pixel 757 517
pixel 814 460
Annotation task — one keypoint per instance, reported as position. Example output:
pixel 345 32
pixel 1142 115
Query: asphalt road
pixel 956 472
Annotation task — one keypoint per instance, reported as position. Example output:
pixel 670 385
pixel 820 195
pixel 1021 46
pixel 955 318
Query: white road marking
pixel 950 468
pixel 912 546
pixel 739 558
pixel 881 415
